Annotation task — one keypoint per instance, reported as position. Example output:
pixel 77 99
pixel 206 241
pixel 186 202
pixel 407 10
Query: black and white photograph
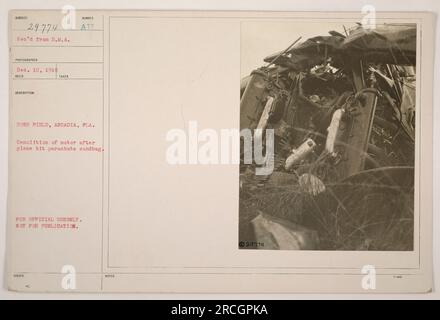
pixel 333 106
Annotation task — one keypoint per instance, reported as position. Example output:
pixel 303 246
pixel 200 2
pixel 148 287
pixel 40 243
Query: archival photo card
pixel 220 152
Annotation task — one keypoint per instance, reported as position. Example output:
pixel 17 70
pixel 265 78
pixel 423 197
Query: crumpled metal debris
pixel 340 105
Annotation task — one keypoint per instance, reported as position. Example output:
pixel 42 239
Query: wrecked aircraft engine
pixel 342 108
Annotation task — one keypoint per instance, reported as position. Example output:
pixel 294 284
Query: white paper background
pixel 274 5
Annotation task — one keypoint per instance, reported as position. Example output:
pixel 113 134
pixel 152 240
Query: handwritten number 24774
pixel 42 27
